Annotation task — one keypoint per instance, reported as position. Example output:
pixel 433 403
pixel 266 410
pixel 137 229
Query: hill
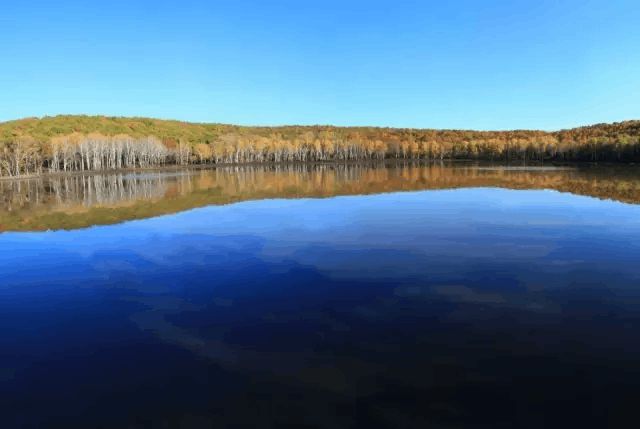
pixel 91 143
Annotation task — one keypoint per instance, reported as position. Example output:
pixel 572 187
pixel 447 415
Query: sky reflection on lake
pixel 475 306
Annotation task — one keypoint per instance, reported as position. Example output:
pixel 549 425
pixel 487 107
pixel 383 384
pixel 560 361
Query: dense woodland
pixel 96 143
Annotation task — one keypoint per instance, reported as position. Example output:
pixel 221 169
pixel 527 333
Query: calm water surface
pixel 476 297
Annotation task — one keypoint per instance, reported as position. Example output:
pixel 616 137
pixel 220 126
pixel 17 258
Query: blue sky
pixel 454 64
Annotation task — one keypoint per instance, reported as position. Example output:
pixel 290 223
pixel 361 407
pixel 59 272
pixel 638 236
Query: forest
pixel 34 146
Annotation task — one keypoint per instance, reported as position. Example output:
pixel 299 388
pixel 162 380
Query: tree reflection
pixel 71 201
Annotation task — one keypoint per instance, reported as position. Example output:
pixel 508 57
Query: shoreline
pixel 386 162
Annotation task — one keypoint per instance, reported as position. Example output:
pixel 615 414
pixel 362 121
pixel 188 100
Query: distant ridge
pixel 48 126
pixel 94 143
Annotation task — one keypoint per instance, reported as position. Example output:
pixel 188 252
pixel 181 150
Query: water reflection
pixel 75 201
pixel 455 308
pixel 68 191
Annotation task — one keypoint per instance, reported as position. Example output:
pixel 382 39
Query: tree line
pixel 68 143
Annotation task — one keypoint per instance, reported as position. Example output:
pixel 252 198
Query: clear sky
pixel 491 64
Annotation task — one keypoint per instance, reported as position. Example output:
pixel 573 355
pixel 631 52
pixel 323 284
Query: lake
pixel 321 296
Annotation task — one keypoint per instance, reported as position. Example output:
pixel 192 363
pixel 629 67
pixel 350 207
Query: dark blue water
pixel 461 308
